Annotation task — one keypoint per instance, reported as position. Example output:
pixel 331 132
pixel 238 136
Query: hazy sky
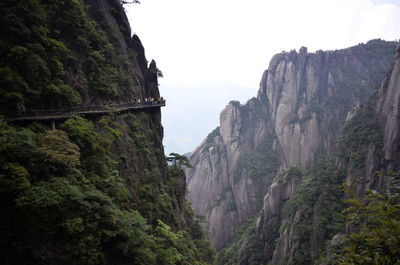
pixel 205 47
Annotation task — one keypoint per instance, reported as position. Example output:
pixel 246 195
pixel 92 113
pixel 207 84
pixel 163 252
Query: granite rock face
pixel 301 107
pixel 388 111
pixel 361 177
pixel 215 188
pixel 385 107
pixel 278 193
pixel 310 95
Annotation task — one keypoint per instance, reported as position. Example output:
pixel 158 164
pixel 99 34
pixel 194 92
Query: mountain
pixel 83 175
pixel 271 167
pixel 193 111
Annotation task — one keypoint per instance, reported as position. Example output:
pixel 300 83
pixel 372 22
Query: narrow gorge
pixel 304 173
pixel 269 179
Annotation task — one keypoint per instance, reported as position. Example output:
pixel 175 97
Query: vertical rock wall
pixel 302 104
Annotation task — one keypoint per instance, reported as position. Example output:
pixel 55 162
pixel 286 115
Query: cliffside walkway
pixel 56 114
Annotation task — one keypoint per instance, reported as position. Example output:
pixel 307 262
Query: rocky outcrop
pixel 303 102
pixel 389 116
pixel 216 189
pixel 281 190
pixel 383 155
pixel 311 94
pixel 360 170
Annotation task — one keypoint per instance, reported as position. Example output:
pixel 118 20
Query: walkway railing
pixel 54 114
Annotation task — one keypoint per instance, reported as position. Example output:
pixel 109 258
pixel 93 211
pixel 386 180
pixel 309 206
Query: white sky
pixel 199 45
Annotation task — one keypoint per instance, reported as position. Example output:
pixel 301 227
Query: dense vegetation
pixel 245 247
pixel 98 190
pixel 95 189
pixel 52 54
pixel 319 198
pixel 64 201
pixel 321 214
pixel 361 130
pixel 248 245
pixel 317 212
pixel 212 135
pixel 259 162
pixel 318 203
pixel 375 228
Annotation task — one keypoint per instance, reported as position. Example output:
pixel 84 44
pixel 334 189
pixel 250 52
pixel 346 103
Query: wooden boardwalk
pixel 57 114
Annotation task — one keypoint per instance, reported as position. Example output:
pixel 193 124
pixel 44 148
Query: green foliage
pixel 377 50
pixel 98 165
pixel 56 150
pixel 253 110
pixel 259 162
pixel 16 148
pixel 178 160
pixel 293 171
pixel 150 193
pixel 14 177
pixel 64 201
pixel 290 172
pixel 167 244
pixel 318 201
pixel 231 206
pixel 361 130
pixel 44 44
pixel 91 191
pixel 85 220
pixel 375 237
pixel 175 248
pixel 245 248
pixel 212 135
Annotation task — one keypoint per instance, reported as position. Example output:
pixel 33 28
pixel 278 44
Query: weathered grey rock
pixel 303 102
pixel 325 83
pixel 285 245
pixel 305 93
pixel 226 202
pixel 278 193
pixel 388 110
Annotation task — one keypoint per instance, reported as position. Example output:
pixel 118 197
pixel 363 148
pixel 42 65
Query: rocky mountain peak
pixel 302 104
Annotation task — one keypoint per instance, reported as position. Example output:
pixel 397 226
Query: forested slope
pixel 95 189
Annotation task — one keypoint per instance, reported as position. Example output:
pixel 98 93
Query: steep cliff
pixel 388 111
pixel 301 107
pixel 217 188
pixel 373 215
pixel 313 215
pixel 96 189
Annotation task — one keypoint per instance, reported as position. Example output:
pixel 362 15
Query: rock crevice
pixel 301 107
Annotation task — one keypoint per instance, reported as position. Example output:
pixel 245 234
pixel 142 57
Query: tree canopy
pixel 178 160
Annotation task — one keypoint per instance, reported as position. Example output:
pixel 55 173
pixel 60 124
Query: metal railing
pixel 52 114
